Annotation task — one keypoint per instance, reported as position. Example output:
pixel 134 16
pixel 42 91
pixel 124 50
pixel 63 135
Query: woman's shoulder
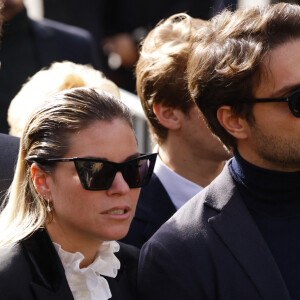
pixel 14 271
pixel 11 258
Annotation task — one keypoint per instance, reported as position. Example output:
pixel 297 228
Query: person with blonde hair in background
pixel 49 81
pixel 74 193
pixel 190 157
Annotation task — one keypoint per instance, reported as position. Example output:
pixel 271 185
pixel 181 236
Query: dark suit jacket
pixel 210 249
pixel 153 209
pixel 32 269
pixel 49 42
pixel 9 148
pixel 58 42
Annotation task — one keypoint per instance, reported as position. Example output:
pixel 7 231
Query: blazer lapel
pixel 154 201
pixel 49 281
pixel 236 228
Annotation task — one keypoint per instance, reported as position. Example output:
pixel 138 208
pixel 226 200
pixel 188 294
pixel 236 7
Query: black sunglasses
pixel 293 101
pixel 97 174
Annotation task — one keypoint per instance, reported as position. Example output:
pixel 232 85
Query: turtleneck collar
pixel 270 192
pixel 18 25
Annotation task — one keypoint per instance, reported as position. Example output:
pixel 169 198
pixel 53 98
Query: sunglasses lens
pixel 95 175
pixel 294 104
pixel 136 173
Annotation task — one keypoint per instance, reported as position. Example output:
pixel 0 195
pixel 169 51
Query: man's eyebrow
pixel 286 90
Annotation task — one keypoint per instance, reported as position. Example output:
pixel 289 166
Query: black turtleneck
pixel 273 200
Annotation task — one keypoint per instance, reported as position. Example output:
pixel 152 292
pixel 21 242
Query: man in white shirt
pixel 190 157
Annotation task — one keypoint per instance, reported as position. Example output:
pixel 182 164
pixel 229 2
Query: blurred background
pixel 117 28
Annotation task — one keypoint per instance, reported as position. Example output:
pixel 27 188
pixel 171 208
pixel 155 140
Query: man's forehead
pixel 279 71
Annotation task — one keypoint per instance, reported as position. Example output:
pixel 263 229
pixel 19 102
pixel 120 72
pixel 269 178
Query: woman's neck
pixel 72 241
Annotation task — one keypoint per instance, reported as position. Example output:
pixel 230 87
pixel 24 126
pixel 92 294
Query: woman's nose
pixel 119 185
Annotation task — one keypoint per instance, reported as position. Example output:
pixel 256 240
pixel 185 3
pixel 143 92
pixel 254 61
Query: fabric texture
pixel 88 283
pixel 32 270
pixel 210 249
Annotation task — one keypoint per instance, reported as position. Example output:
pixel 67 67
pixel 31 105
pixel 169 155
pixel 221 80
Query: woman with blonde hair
pixel 74 193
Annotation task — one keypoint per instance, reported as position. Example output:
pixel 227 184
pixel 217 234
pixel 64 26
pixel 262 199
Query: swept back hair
pixel 46 135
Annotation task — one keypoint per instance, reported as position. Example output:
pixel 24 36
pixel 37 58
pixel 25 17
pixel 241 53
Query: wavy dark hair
pixel 225 65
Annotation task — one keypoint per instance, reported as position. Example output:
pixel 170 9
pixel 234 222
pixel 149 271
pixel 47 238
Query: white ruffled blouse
pixel 87 283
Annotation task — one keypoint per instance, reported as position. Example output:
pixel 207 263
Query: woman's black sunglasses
pixel 97 174
pixel 293 101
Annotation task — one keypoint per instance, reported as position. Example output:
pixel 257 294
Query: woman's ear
pixel 168 117
pixel 39 178
pixel 233 124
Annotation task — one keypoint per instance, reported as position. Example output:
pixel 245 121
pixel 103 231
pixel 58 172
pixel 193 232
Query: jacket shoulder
pixel 51 26
pixel 14 272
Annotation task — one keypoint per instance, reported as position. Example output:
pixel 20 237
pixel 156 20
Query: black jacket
pixel 32 269
pixel 154 208
pixel 9 148
pixel 211 249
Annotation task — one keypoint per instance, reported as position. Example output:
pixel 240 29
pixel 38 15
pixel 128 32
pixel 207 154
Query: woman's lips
pixel 117 212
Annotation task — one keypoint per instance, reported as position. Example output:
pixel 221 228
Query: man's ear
pixel 233 124
pixel 168 117
pixel 39 178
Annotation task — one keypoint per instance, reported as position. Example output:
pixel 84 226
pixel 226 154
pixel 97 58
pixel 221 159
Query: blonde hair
pixel 160 70
pixel 58 77
pixel 46 135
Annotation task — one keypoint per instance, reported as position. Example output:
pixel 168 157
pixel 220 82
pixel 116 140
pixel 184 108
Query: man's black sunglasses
pixel 98 174
pixel 293 101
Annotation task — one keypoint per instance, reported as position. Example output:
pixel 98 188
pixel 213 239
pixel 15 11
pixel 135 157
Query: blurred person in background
pixel 119 26
pixel 9 147
pixel 190 156
pixel 28 45
pixel 49 81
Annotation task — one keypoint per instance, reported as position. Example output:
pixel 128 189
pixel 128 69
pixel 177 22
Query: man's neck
pixel 189 165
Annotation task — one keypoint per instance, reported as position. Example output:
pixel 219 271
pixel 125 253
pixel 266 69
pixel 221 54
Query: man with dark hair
pixel 238 238
pixel 190 157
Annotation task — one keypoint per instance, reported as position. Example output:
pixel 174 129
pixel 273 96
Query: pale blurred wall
pixel 35 8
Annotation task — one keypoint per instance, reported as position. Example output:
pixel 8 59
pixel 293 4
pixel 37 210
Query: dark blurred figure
pixel 29 45
pixel 9 147
pixel 120 25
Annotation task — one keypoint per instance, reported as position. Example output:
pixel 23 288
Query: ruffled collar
pixel 89 283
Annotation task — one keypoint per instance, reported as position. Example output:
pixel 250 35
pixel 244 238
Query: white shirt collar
pixel 87 283
pixel 179 188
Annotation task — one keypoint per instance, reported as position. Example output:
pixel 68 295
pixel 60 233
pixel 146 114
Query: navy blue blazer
pixel 210 249
pixel 32 270
pixel 153 209
pixel 9 148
